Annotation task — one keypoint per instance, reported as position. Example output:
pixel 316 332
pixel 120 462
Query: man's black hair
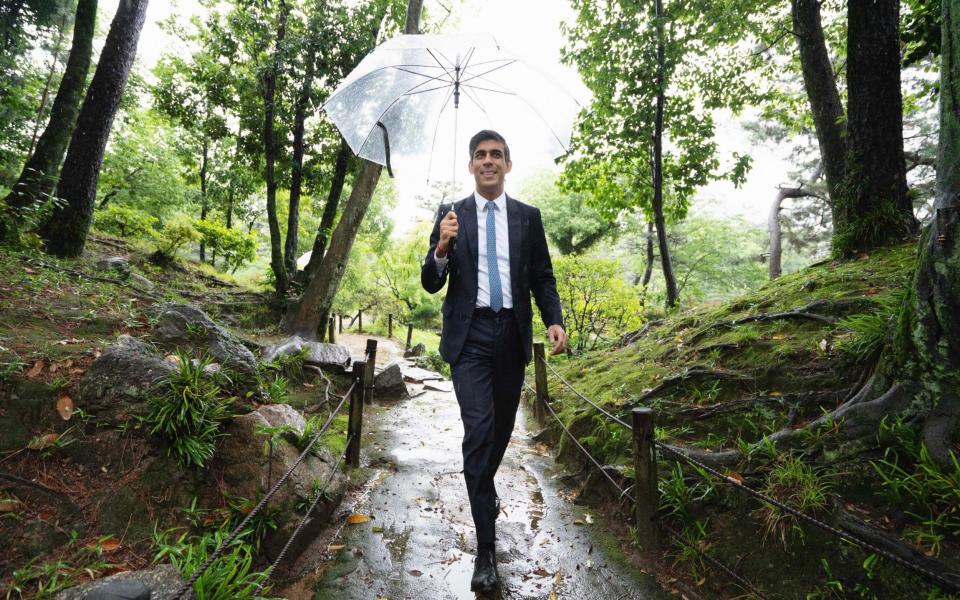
pixel 489 134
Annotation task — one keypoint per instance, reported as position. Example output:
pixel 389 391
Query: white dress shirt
pixel 503 250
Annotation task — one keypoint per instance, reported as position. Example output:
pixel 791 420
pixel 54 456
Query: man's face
pixel 489 166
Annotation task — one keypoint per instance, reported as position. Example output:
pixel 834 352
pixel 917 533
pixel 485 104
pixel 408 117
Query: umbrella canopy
pixel 430 93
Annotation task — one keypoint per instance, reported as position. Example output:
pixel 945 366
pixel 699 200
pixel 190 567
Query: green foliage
pixel 233 246
pixel 189 412
pixel 678 493
pixel 397 276
pixel 913 481
pixel 289 365
pixel 177 232
pixel 125 221
pixel 570 223
pixel 229 577
pixel 40 580
pixel 598 305
pixel 797 485
pixel 869 331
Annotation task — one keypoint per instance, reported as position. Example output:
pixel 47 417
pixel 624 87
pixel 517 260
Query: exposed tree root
pixel 938 429
pixel 691 373
pixel 883 540
pixel 804 312
pixel 630 337
pixel 818 398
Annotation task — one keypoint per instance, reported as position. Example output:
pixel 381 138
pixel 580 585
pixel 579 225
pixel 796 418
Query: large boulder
pixel 158 583
pixel 318 353
pixel 388 383
pixel 119 383
pixel 248 472
pixel 418 350
pixel 188 326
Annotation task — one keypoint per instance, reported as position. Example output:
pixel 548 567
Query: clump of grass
pixel 189 412
pixel 797 485
pixel 868 331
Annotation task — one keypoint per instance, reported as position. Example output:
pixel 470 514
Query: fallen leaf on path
pixel 557 578
pixel 335 547
pixel 553 596
pixel 541 572
pixel 35 370
pixel 415 572
pixel 43 441
pixel 578 522
pixel 357 518
pixel 377 529
pixel 106 546
pixel 65 407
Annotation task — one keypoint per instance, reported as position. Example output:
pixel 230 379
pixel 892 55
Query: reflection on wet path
pixel 419 542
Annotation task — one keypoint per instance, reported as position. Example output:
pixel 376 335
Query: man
pixel 500 257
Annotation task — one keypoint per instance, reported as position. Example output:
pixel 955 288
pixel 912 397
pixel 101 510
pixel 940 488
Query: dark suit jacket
pixel 530 271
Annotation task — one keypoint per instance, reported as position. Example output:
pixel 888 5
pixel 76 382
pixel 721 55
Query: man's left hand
pixel 558 337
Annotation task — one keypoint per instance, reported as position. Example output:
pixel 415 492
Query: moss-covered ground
pixel 721 378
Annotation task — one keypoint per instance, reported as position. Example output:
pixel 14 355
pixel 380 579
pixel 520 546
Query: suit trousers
pixel 486 379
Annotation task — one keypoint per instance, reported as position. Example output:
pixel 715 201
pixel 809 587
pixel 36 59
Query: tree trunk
pixel 821 86
pixel 310 314
pixel 660 221
pixel 270 152
pixel 296 174
pixel 773 227
pixel 65 233
pixel 307 316
pixel 57 46
pixel 203 191
pixel 330 208
pixel 874 207
pixel 648 271
pixel 39 176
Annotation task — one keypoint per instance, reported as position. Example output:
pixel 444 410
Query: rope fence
pixel 646 499
pixel 355 395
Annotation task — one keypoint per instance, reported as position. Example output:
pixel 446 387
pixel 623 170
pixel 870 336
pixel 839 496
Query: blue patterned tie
pixel 496 294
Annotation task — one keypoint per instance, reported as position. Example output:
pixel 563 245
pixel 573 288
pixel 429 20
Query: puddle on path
pixel 419 543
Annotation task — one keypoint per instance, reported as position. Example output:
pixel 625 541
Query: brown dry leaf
pixel 735 476
pixel 43 441
pixel 355 519
pixel 29 270
pixel 541 572
pixel 54 367
pixel 872 291
pixel 776 394
pixel 415 572
pixel 8 504
pixel 309 386
pixel 553 596
pixel 335 547
pixel 557 578
pixel 35 370
pixel 65 407
pixel 578 522
pixel 172 359
pixel 107 546
pixel 76 371
pixel 778 336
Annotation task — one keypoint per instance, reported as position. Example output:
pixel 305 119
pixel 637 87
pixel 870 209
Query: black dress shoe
pixel 485 578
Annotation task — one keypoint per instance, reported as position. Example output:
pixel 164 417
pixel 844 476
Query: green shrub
pixel 176 233
pixel 799 486
pixel 124 221
pixel 234 246
pixel 229 577
pixel 189 412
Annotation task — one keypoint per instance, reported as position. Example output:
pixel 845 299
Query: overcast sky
pixel 531 30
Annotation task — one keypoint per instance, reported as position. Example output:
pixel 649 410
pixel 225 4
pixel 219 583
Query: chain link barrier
pixel 947 583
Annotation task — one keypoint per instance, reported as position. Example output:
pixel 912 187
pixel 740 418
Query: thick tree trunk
pixel 874 207
pixel 659 220
pixel 330 208
pixel 821 87
pixel 270 152
pixel 306 318
pixel 65 233
pixel 39 176
pixel 57 46
pixel 296 174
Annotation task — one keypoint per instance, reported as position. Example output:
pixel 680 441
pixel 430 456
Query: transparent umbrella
pixel 418 98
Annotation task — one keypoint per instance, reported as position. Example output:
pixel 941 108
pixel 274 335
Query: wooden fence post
pixel 645 467
pixel 359 321
pixel 340 328
pixel 540 370
pixel 331 337
pixel 355 424
pixel 409 337
pixel 370 371
pixel 389 325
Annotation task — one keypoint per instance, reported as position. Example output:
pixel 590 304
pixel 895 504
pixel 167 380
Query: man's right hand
pixel 448 232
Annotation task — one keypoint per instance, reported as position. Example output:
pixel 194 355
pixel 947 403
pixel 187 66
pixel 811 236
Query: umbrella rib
pixel 477 87
pixel 433 89
pixel 430 77
pixel 476 101
pixel 480 75
pixel 374 72
pixel 389 106
pixel 522 99
pixel 442 66
pixel 436 129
